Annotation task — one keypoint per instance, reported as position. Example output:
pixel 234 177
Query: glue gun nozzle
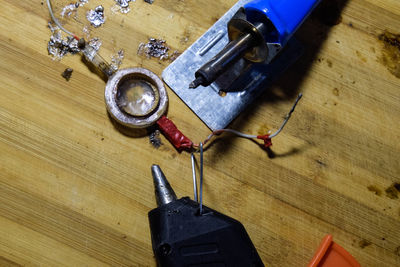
pixel 164 192
pixel 198 81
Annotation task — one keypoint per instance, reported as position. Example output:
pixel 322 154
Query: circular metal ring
pixel 136 97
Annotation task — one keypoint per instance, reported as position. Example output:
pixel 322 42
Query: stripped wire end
pixel 287 117
pixel 266 138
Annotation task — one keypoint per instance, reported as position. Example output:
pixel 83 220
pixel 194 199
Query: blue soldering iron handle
pixel 285 15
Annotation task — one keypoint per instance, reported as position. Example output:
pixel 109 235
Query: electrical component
pixel 176 137
pixel 92 56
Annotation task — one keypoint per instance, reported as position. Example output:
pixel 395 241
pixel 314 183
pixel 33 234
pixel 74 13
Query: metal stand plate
pixel 242 83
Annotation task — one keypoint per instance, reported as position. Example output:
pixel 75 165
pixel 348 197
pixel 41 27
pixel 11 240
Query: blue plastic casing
pixel 285 15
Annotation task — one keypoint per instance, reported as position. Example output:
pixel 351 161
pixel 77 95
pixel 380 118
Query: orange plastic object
pixel 330 254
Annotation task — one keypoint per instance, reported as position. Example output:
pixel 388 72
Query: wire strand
pixel 201 178
pixel 248 136
pixel 194 178
pixel 55 20
pixel 287 116
pixel 218 132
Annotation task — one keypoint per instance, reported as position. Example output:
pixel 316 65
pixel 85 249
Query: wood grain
pixel 75 191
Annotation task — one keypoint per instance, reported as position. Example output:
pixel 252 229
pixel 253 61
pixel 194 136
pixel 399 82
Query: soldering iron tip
pixel 198 81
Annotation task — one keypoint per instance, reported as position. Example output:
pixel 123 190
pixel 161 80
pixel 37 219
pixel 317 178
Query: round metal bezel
pixel 121 116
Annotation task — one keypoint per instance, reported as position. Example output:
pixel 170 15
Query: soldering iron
pixel 257 33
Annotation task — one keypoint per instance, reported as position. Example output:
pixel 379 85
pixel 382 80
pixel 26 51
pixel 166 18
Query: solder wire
pixel 199 198
pixel 55 20
pixel 194 178
pixel 201 179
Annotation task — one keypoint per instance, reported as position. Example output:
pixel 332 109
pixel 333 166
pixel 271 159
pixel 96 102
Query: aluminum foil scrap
pixel 122 6
pixel 95 43
pixel 154 48
pixel 59 45
pixel 86 31
pixel 157 48
pixel 123 3
pixel 96 16
pixel 116 60
pixel 70 9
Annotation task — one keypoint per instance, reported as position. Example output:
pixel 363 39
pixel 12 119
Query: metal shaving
pixel 154 48
pixel 68 10
pixel 67 74
pixel 123 3
pixel 95 43
pixel 96 16
pixel 122 6
pixel 155 139
pixel 59 46
pixel 116 60
pixel 149 1
pixel 86 31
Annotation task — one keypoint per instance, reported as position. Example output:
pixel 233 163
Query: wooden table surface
pixel 75 191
